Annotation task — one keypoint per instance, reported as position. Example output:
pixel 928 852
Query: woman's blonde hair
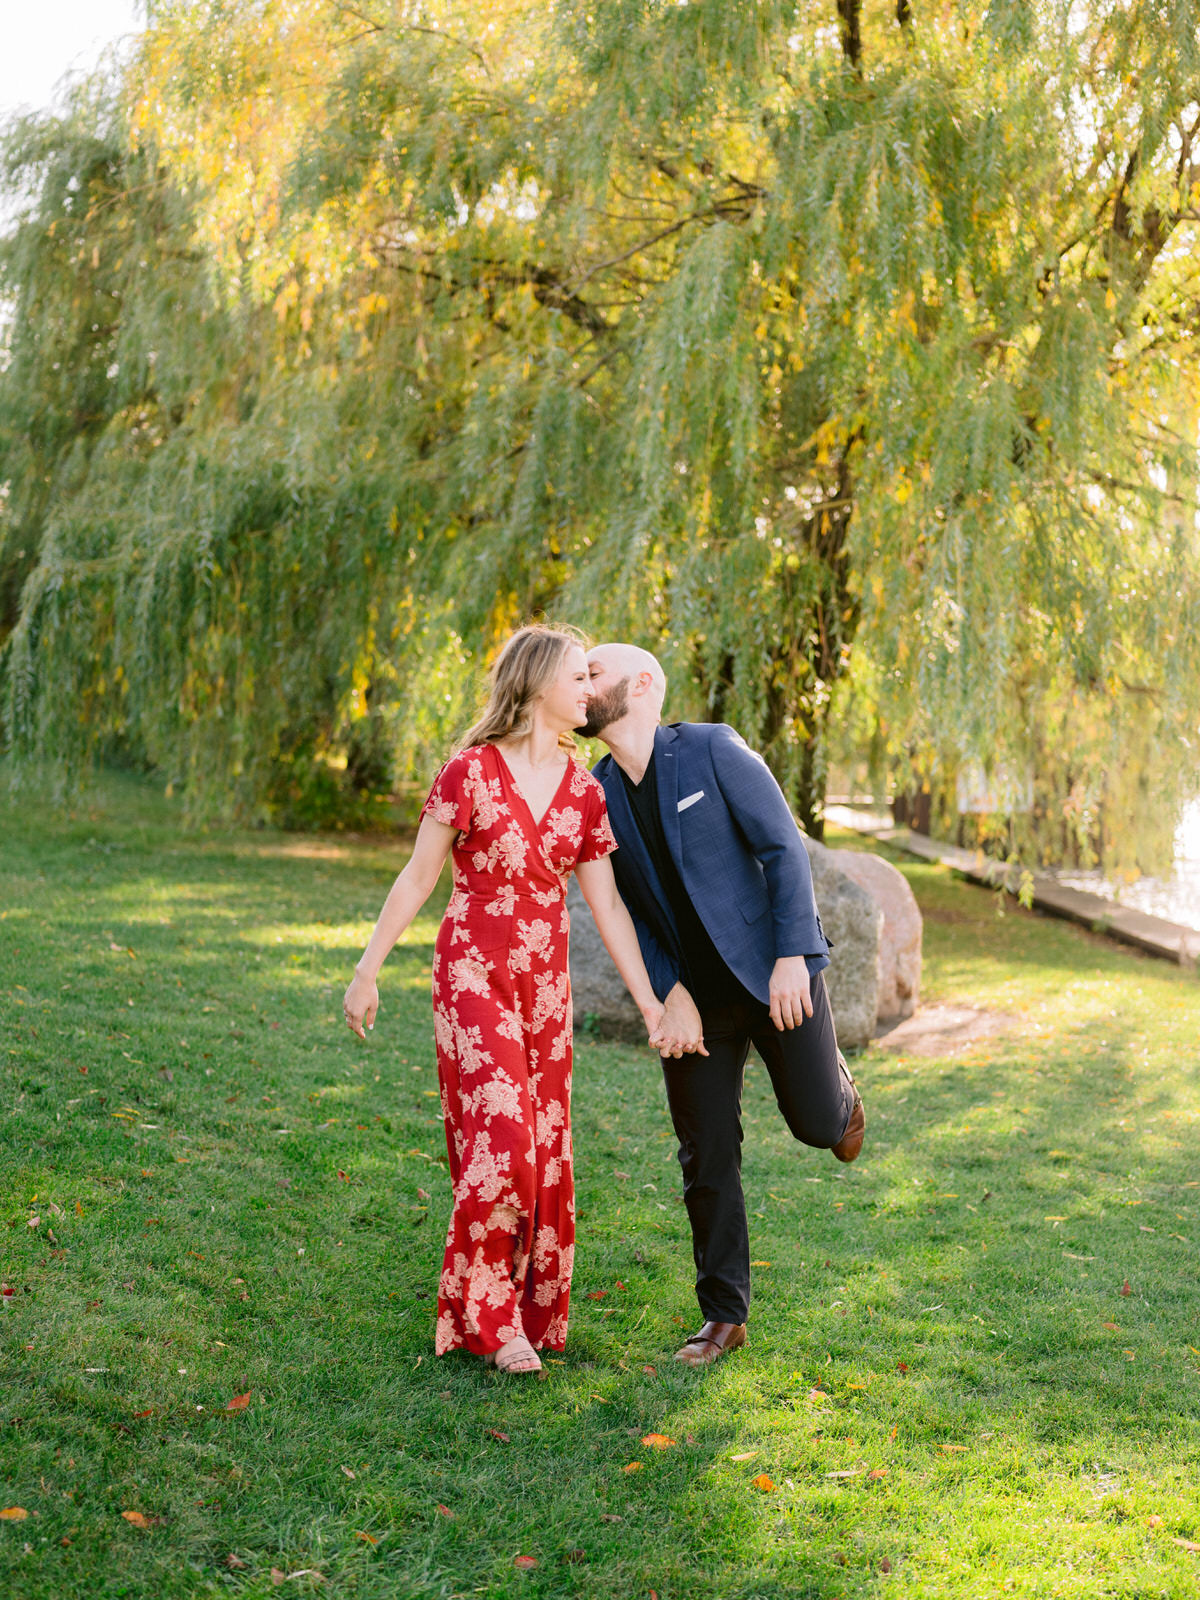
pixel 527 665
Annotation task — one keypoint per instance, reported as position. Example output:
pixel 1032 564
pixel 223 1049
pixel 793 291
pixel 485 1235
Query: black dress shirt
pixel 705 973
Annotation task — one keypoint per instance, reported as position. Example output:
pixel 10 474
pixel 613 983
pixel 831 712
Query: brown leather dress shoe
pixel 851 1142
pixel 711 1343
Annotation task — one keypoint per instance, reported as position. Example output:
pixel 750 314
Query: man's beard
pixel 605 708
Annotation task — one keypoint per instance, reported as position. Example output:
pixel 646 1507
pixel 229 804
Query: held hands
pixel 360 1004
pixel 789 993
pixel 679 1031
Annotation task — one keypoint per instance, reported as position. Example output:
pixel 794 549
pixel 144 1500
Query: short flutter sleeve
pixel 450 800
pixel 598 837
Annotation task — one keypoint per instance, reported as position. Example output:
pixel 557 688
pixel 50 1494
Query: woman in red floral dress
pixel 518 813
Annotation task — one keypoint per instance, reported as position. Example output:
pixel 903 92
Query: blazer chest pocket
pixel 690 800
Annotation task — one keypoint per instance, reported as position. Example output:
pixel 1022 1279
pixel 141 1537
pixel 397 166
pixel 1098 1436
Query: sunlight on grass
pixel 972 1354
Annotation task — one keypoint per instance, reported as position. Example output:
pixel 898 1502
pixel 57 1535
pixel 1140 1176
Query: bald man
pixel 715 875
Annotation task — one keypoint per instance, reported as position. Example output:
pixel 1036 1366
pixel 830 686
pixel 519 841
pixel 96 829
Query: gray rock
pixel 853 924
pixel 601 1001
pixel 874 972
pixel 899 973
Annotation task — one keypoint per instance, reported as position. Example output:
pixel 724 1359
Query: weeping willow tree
pixel 843 354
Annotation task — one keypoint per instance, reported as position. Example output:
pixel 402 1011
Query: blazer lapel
pixel 666 767
pixel 624 825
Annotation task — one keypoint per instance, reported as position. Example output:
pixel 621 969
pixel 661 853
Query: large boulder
pixel 853 924
pixel 600 1000
pixel 899 967
pixel 870 918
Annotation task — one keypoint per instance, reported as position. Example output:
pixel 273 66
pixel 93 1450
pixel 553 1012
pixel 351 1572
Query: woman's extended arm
pixel 407 895
pixel 599 889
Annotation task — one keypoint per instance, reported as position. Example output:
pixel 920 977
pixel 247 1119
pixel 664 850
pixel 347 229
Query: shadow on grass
pixel 246 1201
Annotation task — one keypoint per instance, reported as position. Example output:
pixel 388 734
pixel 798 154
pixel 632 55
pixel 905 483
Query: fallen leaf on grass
pixel 350 1473
pixel 136 1519
pixel 884 1564
pixel 235 1563
pixel 496 1434
pixel 850 1472
pixel 445 1511
pixel 13 1514
pixel 525 1562
pixel 764 1483
pixel 1111 1326
pixel 609 1516
pixel 366 1538
pixel 817 1395
pixel 575 1557
pixel 658 1441
pixel 878 1472
pixel 1125 1289
pixel 240 1401
pixel 278 1577
pixel 633 1466
pixel 1154 1521
pixel 1186 1544
pixel 651 1372
pixel 342 1176
pixel 746 1455
pixel 902 1367
pixel 149 1413
pixel 596 1294
pixel 955 1448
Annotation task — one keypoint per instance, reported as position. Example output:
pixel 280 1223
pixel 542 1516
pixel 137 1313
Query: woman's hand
pixel 360 1004
pixel 652 1020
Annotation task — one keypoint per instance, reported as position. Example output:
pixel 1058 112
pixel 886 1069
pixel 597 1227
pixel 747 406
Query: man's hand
pixel 680 1031
pixel 789 993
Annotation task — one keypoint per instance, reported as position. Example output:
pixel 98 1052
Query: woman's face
pixel 565 703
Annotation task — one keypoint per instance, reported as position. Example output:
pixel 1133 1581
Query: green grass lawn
pixel 973 1366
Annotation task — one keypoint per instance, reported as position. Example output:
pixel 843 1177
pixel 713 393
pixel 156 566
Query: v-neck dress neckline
pixel 520 793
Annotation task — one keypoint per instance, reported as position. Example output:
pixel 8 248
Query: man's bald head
pixel 628 660
pixel 627 682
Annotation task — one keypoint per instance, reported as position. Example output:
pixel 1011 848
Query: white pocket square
pixel 691 799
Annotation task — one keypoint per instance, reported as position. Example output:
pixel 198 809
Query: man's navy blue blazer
pixel 738 850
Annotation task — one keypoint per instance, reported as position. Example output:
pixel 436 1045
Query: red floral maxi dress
pixel 502 1023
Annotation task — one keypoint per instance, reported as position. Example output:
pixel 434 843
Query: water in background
pixel 1176 898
